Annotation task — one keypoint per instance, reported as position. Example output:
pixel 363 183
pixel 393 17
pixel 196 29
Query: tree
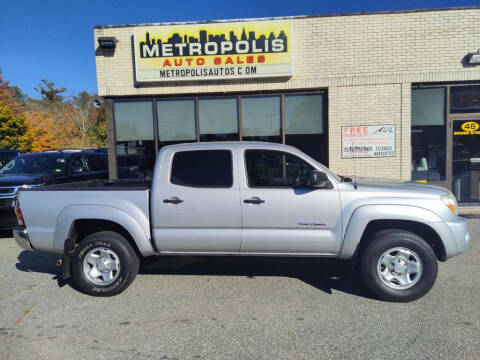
pixel 89 120
pixel 19 95
pixel 98 132
pixel 12 120
pixel 48 92
pixel 42 131
pixel 12 129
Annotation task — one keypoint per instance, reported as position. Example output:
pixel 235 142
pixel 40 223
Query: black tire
pixel 388 239
pixel 129 263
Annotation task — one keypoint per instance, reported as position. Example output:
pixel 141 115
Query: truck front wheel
pixel 104 264
pixel 398 265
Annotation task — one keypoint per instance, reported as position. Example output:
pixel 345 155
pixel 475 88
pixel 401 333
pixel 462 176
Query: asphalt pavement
pixel 235 308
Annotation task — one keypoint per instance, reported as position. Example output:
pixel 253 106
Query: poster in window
pixel 368 141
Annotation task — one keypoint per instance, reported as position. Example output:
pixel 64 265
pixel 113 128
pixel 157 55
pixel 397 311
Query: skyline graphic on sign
pixel 262 44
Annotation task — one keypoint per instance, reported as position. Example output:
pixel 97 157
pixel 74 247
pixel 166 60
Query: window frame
pixel 172 158
pixel 277 151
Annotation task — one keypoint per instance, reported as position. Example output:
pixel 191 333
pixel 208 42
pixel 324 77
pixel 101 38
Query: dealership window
pixel 261 118
pixel 464 99
pixel 218 118
pixel 134 138
pixel 428 134
pixel 257 117
pixel 305 125
pixel 176 121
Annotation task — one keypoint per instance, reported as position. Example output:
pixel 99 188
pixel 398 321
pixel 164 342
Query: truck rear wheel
pixel 104 264
pixel 398 265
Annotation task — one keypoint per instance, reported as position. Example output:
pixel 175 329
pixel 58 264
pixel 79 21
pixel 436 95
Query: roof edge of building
pixel 385 12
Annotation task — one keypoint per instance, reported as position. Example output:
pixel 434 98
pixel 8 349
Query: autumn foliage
pixel 53 122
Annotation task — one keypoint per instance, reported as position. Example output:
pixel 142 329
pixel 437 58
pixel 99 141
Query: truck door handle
pixel 254 200
pixel 173 200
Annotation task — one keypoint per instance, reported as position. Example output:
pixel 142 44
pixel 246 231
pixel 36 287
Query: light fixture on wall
pixel 107 43
pixel 473 58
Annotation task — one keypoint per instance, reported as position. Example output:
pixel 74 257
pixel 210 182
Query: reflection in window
pixel 464 99
pixel 428 134
pixel 266 168
pixel 135 140
pixel 261 118
pixel 176 121
pixel 218 119
pixel 305 125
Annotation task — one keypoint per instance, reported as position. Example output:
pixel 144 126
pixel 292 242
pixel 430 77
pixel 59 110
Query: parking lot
pixel 235 308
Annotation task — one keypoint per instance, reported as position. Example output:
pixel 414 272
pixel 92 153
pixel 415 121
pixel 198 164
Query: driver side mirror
pixel 319 180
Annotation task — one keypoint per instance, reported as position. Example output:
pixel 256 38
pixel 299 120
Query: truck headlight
pixel 450 202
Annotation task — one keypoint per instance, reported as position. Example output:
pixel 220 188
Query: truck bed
pixel 49 211
pixel 98 185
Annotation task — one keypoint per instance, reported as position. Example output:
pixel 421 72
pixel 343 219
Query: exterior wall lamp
pixel 473 58
pixel 107 43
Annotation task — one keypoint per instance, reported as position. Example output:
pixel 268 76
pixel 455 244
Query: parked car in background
pixel 7 155
pixel 46 168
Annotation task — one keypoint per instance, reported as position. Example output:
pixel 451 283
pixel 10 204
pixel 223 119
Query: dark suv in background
pixel 45 168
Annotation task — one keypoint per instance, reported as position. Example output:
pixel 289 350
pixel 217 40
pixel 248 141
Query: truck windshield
pixel 40 164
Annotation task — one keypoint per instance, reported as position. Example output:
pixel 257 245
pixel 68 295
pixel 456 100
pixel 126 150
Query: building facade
pixel 388 95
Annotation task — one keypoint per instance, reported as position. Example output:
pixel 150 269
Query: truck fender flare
pixel 363 215
pixel 70 214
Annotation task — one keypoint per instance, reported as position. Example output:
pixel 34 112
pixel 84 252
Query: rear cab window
pixel 202 168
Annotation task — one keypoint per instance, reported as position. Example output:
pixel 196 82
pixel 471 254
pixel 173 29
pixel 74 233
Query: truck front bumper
pixel 21 237
pixel 459 229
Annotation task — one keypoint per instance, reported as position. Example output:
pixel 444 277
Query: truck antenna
pixel 353 148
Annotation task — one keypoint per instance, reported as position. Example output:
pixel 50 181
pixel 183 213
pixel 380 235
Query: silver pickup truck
pixel 244 198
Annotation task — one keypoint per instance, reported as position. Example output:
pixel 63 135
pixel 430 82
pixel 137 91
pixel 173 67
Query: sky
pixel 53 39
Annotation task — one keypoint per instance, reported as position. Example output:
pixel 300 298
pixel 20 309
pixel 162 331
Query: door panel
pixel 466 161
pixel 202 218
pixel 291 219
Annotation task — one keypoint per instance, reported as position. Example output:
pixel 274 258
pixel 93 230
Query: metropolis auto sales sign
pixel 213 51
pixel 368 141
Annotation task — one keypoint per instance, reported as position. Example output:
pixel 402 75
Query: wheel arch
pixel 82 228
pixel 423 230
pixel 76 222
pixel 367 220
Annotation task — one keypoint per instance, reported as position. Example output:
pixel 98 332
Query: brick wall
pixel 367 63
pixel 334 51
pixel 369 105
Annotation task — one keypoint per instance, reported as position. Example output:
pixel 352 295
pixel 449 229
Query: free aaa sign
pixel 213 51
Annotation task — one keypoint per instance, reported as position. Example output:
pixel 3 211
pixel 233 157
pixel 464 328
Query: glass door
pixel 466 160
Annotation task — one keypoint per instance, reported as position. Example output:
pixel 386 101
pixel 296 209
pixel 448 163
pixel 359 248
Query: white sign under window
pixel 368 141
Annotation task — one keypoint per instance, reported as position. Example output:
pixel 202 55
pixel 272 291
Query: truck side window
pixel 202 168
pixel 77 165
pixel 267 168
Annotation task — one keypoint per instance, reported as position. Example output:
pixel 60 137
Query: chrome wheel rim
pixel 399 268
pixel 101 266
